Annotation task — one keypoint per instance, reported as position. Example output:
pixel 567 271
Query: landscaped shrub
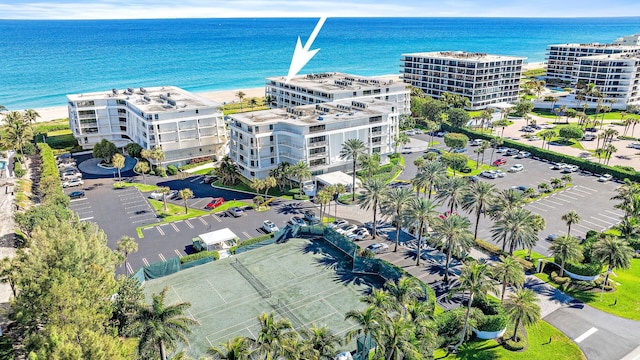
pixel 521 343
pixel 152 173
pixel 199 255
pixel 449 325
pixel 492 322
pixel 133 150
pixel 634 243
pixel 526 264
pixel 28 149
pixel 160 171
pixel 488 306
pixel 18 171
pixel 172 170
pixel 494 249
pixel 587 269
pixel 251 241
pixel 559 280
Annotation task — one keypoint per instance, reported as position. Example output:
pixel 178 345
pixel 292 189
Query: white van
pixel 589 137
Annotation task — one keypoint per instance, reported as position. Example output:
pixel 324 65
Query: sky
pixel 145 9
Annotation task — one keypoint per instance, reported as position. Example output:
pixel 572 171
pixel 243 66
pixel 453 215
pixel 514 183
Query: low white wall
pixel 487 335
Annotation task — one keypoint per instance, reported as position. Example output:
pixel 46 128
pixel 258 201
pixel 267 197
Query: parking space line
pixel 586 334
pixel 188 223
pixel 575 188
pixel 609 217
pixel 615 213
pixel 130 202
pixel 537 208
pixel 202 220
pixel 129 269
pixel 162 257
pixel 85 219
pixel 246 235
pixel 578 231
pixel 144 260
pixel 216 217
pixel 144 220
pixel 160 230
pixel 590 189
pixel 76 200
pixel 567 196
pixel 177 252
pixel 196 178
pixel 580 225
pixel 592 223
pixel 602 221
pixel 539 202
pixel 175 227
pixel 553 202
pixel 135 206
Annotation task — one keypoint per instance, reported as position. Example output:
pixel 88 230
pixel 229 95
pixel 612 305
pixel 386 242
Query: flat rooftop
pixel 151 100
pixel 338 82
pixel 618 56
pixel 599 46
pixel 336 111
pixel 463 55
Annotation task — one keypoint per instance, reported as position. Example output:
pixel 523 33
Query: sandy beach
pixel 533 65
pixel 223 96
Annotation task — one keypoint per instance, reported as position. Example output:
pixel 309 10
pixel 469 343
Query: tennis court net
pixel 286 313
pixel 261 288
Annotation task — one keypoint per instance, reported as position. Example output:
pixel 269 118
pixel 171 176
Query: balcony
pixel 317 144
pixel 290 144
pixel 317 155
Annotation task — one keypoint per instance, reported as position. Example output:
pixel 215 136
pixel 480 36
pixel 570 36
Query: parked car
pixel 500 173
pixel 634 146
pixel 534 138
pixel 476 142
pixel 215 202
pixel 76 195
pixel 489 174
pixel 591 129
pixel 295 220
pixel 338 223
pixel 605 178
pixel 434 150
pixel 418 131
pixel 72 183
pixel 528 129
pixel 347 229
pixel 378 248
pixel 311 217
pixel 516 168
pixel 570 169
pixel 519 188
pixel 458 151
pixel 512 152
pixel 558 166
pixel 269 227
pixel 589 137
pixel 155 195
pixel 410 132
pixel 173 194
pixel 523 155
pixel 552 237
pixel 70 173
pixel 359 234
pixel 499 161
pixel 208 179
pixel 501 150
pixel 235 211
pixel 472 178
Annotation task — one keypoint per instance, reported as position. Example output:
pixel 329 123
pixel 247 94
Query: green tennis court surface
pixel 305 281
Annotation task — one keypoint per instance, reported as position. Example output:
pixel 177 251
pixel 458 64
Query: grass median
pixel 141 187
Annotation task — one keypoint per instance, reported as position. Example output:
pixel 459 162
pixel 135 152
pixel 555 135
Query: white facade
pixel 312 133
pixel 563 59
pixel 630 40
pixel 183 125
pixel 327 87
pixel 616 76
pixel 482 78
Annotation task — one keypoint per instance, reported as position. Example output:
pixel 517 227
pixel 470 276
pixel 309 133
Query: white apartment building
pixel 261 140
pixel 183 125
pixel 484 79
pixel 617 76
pixel 327 87
pixel 563 59
pixel 631 40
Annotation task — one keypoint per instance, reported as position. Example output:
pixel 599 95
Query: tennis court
pixel 306 281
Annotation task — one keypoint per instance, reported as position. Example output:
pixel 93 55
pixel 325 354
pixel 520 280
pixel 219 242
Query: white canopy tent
pixel 337 177
pixel 219 239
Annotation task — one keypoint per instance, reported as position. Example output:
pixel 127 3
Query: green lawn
pixel 236 107
pixel 242 185
pixel 202 171
pixel 472 165
pixel 534 256
pixel 561 347
pixel 544 195
pixel 141 187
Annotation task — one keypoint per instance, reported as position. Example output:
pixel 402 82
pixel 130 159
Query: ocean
pixel 41 61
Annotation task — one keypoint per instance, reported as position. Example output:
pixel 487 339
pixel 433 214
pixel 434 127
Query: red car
pixel 215 202
pixel 500 161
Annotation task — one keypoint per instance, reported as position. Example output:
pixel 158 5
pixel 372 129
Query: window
pixel 271 138
pixel 317 162
pixel 316 128
pixel 196 112
pixel 270 126
pixel 272 149
pixel 253 163
pixel 273 161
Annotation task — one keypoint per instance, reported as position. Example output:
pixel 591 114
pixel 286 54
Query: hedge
pixel 494 249
pixel 49 177
pixel 492 322
pixel 593 167
pixel 581 269
pixel 251 241
pixel 199 255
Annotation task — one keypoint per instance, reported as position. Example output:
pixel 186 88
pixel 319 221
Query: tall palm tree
pixel 496 142
pixel 164 190
pixel 272 334
pixel 379 299
pixel 421 212
pixel 323 198
pixel 404 290
pixel 185 194
pixel 522 308
pixel 475 280
pixel 118 162
pixel 126 245
pixel 17 130
pixel 478 199
pixel 253 103
pixel 238 348
pixel 566 248
pixel 158 155
pixel 352 149
pixel 295 348
pixel 509 272
pixel 516 228
pixel 433 173
pixel 368 320
pixel 613 252
pixel 394 204
pixel 240 95
pixel 572 217
pixel 142 167
pixel 159 326
pixel 374 192
pixel 395 337
pixel 451 192
pixel 31 115
pixel 322 342
pixel 454 236
pixel 301 172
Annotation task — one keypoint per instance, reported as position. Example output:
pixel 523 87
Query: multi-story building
pixel 563 59
pixel 632 40
pixel 482 78
pixel 327 87
pixel 183 125
pixel 616 76
pixel 311 133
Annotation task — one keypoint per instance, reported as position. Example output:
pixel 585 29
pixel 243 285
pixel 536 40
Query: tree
pixel 456 162
pixel 256 185
pixel 157 154
pixel 301 172
pixel 374 192
pixel 477 199
pixel 458 117
pixel 404 290
pixel 456 140
pixel 321 341
pixel 370 164
pixel 118 162
pixel 238 348
pixel 323 197
pixel 522 308
pixel 164 190
pixel 571 132
pixel 8 274
pixel 16 130
pixel 258 200
pixel 400 140
pixel 572 217
pixel 566 179
pixel 240 95
pixel 453 234
pixel 523 107
pixel 104 150
pixel 421 213
pixel 394 204
pixel 609 150
pixel 185 194
pixel 570 114
pixel 228 171
pixel 142 167
pixel 432 174
pixel 547 135
pixel 367 321
pixel 273 333
pixel 452 191
pixel 496 142
pixel 352 149
pixel 475 280
pixel 394 339
pixel 566 248
pixel 269 183
pixel 614 253
pixel 128 298
pixel 509 272
pixel 515 228
pixel 253 103
pixel 160 326
pixel 556 183
pixel 133 149
pixel 126 245
pixel 280 173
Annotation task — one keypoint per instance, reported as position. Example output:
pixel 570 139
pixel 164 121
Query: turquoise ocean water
pixel 41 61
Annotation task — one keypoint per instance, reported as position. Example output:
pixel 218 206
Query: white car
pixel 347 229
pixel 269 227
pixel 605 178
pixel 359 234
pixel 476 142
pixel 558 166
pixel 523 154
pixel 72 183
pixel 533 138
pixel 338 223
pixel 500 173
pixel 516 168
pixel 634 146
pixel 501 150
pixel 570 169
pixel 378 248
pixel 155 196
pixel 489 174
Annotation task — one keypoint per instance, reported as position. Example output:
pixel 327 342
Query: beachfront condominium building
pixel 327 87
pixel 183 125
pixel 484 79
pixel 563 59
pixel 616 76
pixel 314 134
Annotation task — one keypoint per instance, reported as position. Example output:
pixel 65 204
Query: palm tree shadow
pixel 291 208
pixel 473 351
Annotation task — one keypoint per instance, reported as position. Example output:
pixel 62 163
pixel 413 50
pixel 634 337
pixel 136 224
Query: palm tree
pixel 394 339
pixel 478 198
pixel 374 192
pixel 126 245
pixel 185 194
pixel 323 197
pixel 256 185
pixel 240 95
pixel 474 279
pixel 433 173
pixel 157 154
pixel 556 183
pixel 238 348
pixel 572 217
pixel 522 308
pixel 321 341
pixel 566 248
pixel 118 162
pixel 454 236
pixel 253 103
pixel 394 204
pixel 272 334
pixel 367 321
pixel 509 272
pixel 31 115
pixel 421 212
pixel 404 290
pixel 609 150
pixel 496 142
pixel 516 228
pixel 17 130
pixel 228 171
pixel 269 183
pixel 142 167
pixel 301 172
pixel 380 299
pixel 452 191
pixel 295 348
pixel 159 326
pixel 352 149
pixel 614 253
pixel 164 190
pixel 8 273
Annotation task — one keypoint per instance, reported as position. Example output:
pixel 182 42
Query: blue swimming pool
pixel 2 164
